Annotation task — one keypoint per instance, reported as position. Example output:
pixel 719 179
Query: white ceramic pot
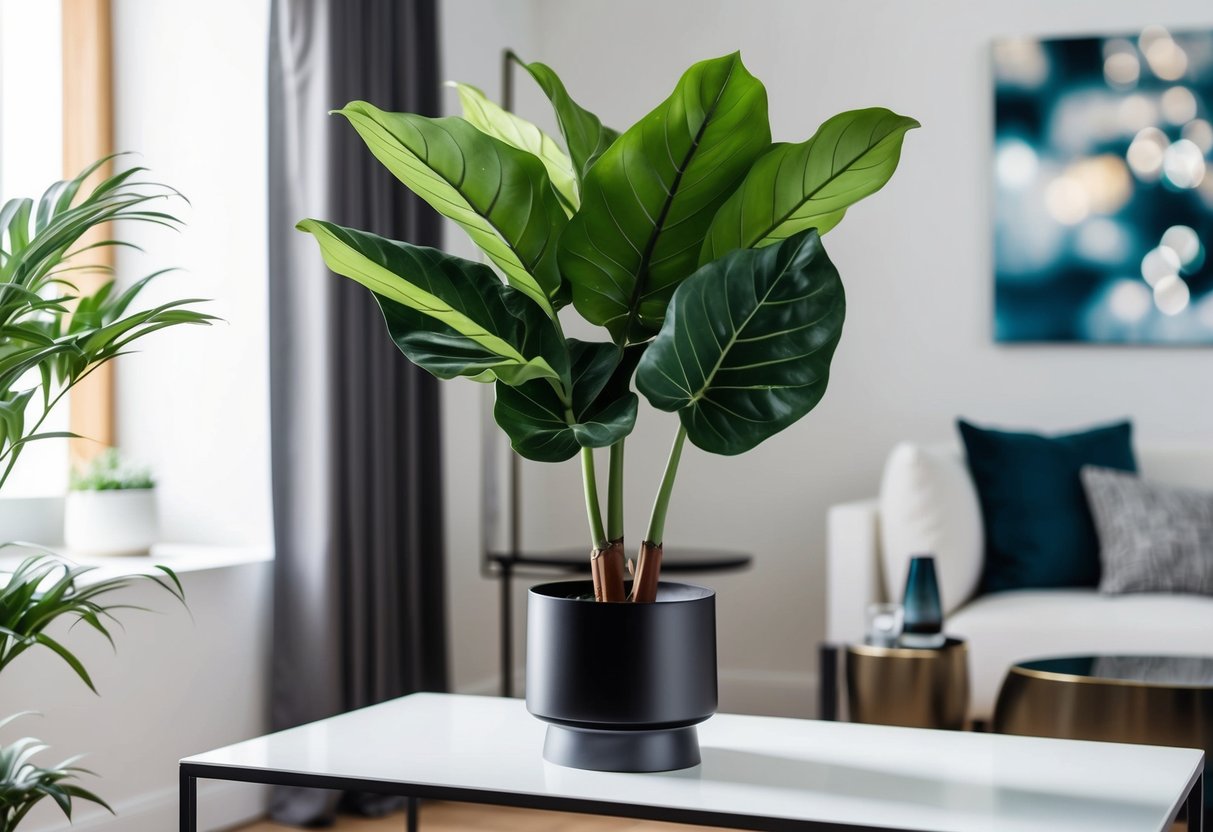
pixel 119 522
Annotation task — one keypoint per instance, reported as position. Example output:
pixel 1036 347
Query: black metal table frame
pixel 191 773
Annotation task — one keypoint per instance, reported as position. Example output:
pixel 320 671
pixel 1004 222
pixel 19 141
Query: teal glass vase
pixel 923 625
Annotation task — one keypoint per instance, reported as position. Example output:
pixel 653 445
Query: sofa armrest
pixel 853 572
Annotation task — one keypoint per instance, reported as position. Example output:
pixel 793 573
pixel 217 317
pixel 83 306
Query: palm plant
pixel 43 590
pixel 24 784
pixel 51 337
pixel 690 237
pixel 49 330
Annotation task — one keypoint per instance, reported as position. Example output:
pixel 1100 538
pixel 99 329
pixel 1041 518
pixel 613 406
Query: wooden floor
pixel 466 817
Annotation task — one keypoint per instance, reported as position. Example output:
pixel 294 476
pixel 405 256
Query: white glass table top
pixel 753 767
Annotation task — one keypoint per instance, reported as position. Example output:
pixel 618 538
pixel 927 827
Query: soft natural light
pixel 30 159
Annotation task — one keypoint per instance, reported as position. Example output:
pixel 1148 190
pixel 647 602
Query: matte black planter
pixel 621 685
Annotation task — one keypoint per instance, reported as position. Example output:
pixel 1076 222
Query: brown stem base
pixel 607 570
pixel 648 573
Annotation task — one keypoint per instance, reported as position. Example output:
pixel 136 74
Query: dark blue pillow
pixel 1038 526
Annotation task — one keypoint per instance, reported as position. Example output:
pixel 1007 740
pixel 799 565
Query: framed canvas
pixel 1103 193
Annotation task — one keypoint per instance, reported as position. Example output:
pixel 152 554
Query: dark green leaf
pixel 794 187
pixel 648 201
pixel 450 316
pixel 745 350
pixel 603 410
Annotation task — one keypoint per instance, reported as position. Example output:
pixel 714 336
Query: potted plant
pixel 111 508
pixel 52 336
pixel 696 244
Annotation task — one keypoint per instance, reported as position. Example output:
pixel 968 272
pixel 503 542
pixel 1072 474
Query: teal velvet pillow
pixel 1038 526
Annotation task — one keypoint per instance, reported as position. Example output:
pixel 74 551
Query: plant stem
pixel 615 494
pixel 662 504
pixel 593 512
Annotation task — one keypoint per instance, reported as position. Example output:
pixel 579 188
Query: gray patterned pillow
pixel 1152 538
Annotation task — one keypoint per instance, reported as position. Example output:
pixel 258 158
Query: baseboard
pixel 220 806
pixel 767 692
pixel 491 685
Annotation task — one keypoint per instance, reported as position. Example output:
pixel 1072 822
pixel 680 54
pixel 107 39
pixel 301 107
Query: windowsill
pixel 182 558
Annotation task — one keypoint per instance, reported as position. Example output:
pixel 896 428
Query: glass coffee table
pixel 1148 700
pixel 757 772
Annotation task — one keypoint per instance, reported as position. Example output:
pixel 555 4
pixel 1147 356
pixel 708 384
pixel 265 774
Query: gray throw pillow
pixel 1152 538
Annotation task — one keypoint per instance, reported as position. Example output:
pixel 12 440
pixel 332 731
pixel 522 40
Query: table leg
pixel 411 824
pixel 827 676
pixel 507 628
pixel 188 802
pixel 1195 807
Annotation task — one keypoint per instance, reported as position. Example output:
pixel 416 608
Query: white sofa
pixel 1007 627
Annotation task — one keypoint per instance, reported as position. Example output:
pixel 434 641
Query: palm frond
pixel 40 330
pixel 24 783
pixel 44 588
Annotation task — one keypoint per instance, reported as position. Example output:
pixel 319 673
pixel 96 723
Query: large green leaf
pixel 450 316
pixel 794 187
pixel 500 195
pixel 745 350
pixel 649 200
pixel 603 409
pixel 517 132
pixel 584 133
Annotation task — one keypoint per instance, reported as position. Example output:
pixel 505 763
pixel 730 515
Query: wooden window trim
pixel 88 135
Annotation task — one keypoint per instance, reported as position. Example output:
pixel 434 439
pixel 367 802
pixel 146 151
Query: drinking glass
pixel 884 624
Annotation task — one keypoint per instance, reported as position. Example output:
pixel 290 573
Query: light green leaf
pixel 649 199
pixel 794 187
pixel 584 133
pixel 745 350
pixel 488 117
pixel 450 316
pixel 499 195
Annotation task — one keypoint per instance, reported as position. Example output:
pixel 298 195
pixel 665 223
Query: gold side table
pixel 916 688
pixel 1148 700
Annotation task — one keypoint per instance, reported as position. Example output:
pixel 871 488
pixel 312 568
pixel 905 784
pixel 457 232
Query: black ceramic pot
pixel 621 685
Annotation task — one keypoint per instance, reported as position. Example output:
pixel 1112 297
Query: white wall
pixel 916 259
pixel 189 95
pixel 31 158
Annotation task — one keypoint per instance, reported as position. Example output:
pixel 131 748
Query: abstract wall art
pixel 1103 188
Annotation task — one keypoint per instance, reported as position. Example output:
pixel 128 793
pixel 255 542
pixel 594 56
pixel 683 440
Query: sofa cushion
pixel 1039 531
pixel 1009 627
pixel 928 506
pixel 1152 538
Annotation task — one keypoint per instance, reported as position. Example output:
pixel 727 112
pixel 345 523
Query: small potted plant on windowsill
pixel 111 508
pixel 695 243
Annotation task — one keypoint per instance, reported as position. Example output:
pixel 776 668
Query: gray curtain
pixel 359 592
